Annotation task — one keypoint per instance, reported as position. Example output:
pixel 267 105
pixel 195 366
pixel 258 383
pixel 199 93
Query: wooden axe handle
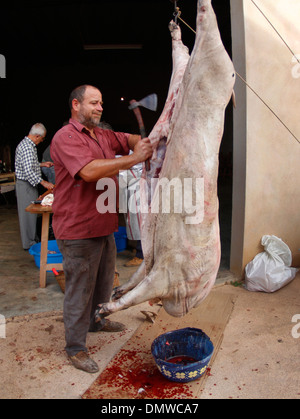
pixel 139 118
pixel 45 194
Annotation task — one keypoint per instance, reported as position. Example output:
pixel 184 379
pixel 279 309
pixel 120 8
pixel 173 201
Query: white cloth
pixel 47 200
pixel 129 200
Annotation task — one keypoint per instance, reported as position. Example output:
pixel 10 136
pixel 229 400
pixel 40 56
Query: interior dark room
pixel 122 47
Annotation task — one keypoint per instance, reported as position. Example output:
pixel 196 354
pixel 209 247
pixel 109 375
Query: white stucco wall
pixel 266 176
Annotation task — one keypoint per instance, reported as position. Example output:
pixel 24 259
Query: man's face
pixel 37 139
pixel 89 111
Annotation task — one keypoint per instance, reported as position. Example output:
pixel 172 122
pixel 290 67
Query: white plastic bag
pixel 270 270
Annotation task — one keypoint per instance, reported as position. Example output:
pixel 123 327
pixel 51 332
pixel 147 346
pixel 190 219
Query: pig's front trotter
pixel 101 312
pixel 117 293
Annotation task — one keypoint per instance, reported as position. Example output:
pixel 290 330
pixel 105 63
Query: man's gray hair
pixel 38 129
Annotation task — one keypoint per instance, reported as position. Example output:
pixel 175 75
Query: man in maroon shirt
pixel 82 154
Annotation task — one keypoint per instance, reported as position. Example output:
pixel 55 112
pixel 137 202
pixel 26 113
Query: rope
pixel 186 24
pixel 270 109
pixel 270 23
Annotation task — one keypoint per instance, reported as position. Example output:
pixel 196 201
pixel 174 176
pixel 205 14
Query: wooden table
pixel 44 266
pixel 8 178
pixel 7 183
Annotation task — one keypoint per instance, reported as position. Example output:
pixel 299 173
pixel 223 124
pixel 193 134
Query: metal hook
pixel 176 10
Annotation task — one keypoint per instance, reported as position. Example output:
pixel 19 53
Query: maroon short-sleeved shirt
pixel 74 207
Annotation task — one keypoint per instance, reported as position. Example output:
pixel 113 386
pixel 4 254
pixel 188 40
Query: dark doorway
pixel 47 49
pixel 222 10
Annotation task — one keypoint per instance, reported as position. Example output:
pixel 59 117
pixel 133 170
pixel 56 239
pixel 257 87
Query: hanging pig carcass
pixel 182 248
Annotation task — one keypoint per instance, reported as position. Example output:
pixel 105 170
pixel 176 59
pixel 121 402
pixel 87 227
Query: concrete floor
pixel 258 358
pixel 19 276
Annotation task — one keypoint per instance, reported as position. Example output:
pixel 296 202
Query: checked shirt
pixel 27 166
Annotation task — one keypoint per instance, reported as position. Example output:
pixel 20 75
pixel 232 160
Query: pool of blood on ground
pixel 140 379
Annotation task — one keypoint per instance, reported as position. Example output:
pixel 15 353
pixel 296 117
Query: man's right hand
pixel 143 150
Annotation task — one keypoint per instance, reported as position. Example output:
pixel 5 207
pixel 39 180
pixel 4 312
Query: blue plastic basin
pixel 56 257
pixel 188 343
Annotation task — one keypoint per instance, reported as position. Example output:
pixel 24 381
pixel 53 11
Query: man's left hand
pixel 46 164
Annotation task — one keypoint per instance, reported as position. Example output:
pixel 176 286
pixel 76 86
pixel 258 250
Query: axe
pixel 149 102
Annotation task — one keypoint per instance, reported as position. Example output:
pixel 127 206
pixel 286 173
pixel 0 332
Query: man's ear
pixel 75 104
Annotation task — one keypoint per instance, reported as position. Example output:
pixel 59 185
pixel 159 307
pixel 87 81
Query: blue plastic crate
pixel 121 239
pixel 56 257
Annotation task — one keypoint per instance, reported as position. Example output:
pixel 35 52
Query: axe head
pixel 149 102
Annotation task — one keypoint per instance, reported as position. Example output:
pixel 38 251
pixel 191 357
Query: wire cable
pixel 270 109
pixel 244 81
pixel 281 37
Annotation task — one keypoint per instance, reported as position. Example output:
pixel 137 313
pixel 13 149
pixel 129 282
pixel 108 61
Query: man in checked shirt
pixel 28 176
